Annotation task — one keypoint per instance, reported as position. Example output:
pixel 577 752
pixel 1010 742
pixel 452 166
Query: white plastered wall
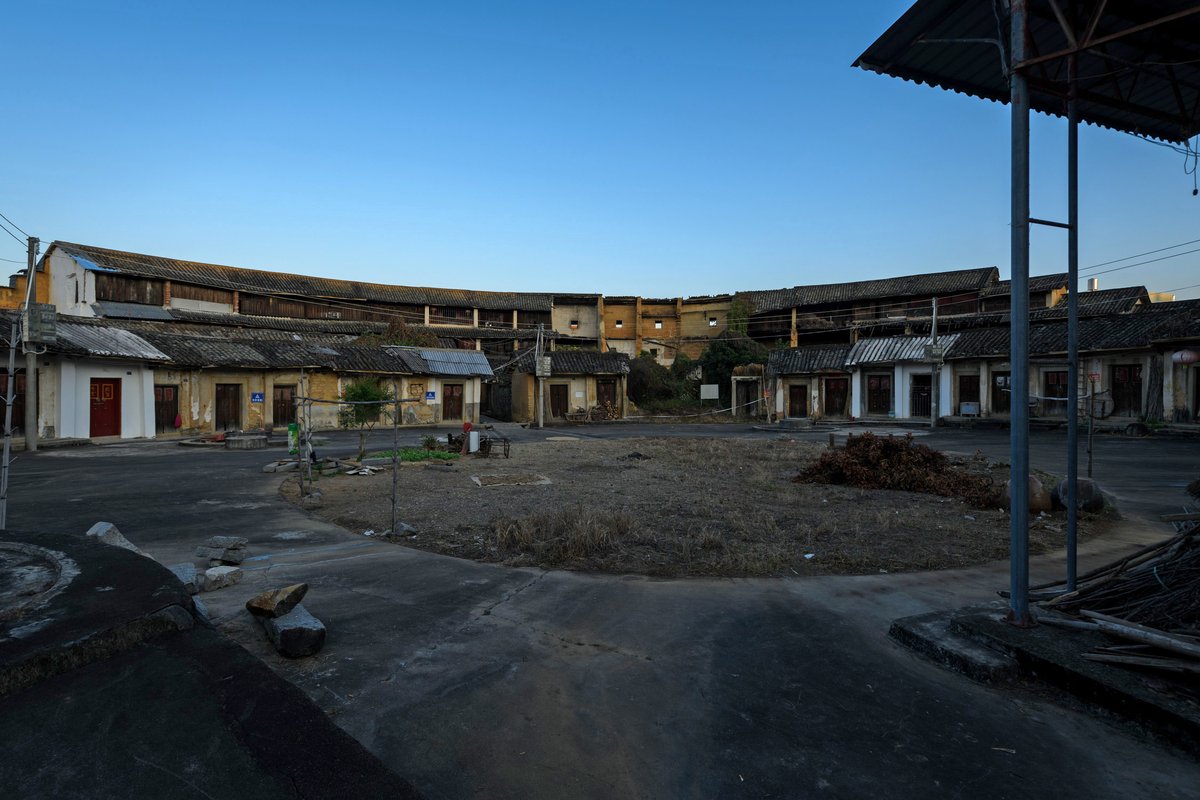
pixel 74 380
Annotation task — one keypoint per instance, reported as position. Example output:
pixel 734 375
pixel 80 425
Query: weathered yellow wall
pixel 14 296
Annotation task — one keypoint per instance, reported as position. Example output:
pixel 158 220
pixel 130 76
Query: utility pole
pixel 31 372
pixel 537 371
pixel 935 372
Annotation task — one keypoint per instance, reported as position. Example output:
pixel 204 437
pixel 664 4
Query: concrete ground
pixel 477 680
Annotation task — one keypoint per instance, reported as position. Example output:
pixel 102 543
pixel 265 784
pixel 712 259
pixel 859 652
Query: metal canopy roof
pixel 1138 61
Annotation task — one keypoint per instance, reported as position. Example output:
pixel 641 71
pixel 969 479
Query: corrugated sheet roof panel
pixel 892 349
pixel 109 342
pixel 456 362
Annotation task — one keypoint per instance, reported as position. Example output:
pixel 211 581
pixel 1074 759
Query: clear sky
pixel 654 148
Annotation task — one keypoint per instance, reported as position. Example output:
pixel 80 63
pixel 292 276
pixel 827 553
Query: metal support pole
pixel 31 374
pixel 395 452
pixel 934 370
pixel 1018 613
pixel 539 381
pixel 9 395
pixel 1072 324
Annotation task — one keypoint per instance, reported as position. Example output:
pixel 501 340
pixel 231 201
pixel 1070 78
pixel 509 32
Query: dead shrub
pixel 567 536
pixel 889 462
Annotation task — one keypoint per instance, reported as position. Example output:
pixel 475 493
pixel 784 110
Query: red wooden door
pixel 452 401
pixel 798 401
pixel 837 390
pixel 106 407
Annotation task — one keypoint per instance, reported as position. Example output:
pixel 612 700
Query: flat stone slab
pixel 227 541
pixel 277 602
pixel 296 634
pixel 220 577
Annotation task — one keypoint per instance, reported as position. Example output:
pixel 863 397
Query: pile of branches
pixel 889 462
pixel 1149 600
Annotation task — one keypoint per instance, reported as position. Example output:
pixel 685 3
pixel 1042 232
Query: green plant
pixel 366 402
pixel 412 455
pixel 429 442
pixel 400 333
pixel 727 351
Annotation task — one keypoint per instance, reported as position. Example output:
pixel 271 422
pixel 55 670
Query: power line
pixel 10 233
pixel 1139 255
pixel 15 225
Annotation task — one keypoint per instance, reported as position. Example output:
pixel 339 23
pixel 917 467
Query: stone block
pixel 220 577
pixel 110 535
pixel 1039 498
pixel 1089 497
pixel 296 634
pixel 188 575
pixel 277 602
pixel 227 541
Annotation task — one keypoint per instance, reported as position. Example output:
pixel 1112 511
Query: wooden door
pixel 18 411
pixel 559 401
pixel 106 407
pixel 606 392
pixel 229 406
pixel 452 401
pixel 166 408
pixel 1127 389
pixel 283 404
pixel 1001 396
pixel 1056 387
pixel 798 401
pixel 879 394
pixel 837 393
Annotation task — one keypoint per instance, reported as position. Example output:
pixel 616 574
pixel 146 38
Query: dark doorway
pixel 166 408
pixel 106 407
pixel 968 392
pixel 798 401
pixel 283 404
pixel 452 401
pixel 837 393
pixel 1127 390
pixel 229 406
pixel 879 394
pixel 1001 394
pixel 1056 387
pixel 747 398
pixel 18 412
pixel 606 393
pixel 920 396
pixel 558 400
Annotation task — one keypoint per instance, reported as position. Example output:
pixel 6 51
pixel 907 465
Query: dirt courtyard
pixel 673 507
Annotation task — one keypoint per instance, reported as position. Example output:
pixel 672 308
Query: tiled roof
pixel 1037 283
pixel 935 283
pixel 282 283
pixel 892 349
pixel 811 358
pixel 579 362
pixel 105 342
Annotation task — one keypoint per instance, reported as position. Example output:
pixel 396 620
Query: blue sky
pixel 655 148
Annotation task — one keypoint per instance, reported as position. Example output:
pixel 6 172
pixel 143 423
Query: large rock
pixel 188 575
pixel 296 634
pixel 223 550
pixel 1088 496
pixel 109 534
pixel 220 577
pixel 1039 498
pixel 277 602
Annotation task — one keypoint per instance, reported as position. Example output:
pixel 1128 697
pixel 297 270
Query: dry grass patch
pixel 676 506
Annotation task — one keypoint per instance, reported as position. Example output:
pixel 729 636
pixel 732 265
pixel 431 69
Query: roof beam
pixel 1088 42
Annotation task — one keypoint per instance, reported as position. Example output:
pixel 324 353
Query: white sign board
pixel 542 368
pixel 710 391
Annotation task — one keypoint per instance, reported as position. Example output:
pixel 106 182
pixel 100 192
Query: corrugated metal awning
pixel 892 349
pixel 109 342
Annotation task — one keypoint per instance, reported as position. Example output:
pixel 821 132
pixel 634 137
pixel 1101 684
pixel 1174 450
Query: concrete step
pixel 933 635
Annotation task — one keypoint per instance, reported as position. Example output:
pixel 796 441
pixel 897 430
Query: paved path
pixel 474 680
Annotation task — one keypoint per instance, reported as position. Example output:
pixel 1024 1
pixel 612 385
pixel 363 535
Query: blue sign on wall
pixel 431 395
pixel 256 397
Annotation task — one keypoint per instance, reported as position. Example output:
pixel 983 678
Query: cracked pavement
pixel 476 680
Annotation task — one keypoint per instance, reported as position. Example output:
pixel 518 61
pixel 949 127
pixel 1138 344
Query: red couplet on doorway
pixel 106 407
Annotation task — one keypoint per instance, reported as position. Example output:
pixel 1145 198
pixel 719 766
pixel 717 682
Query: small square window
pixel 712 322
pixel 574 324
pixel 654 352
pixel 658 324
pixel 619 324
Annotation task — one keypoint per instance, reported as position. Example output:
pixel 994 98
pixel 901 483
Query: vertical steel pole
pixel 934 373
pixel 30 422
pixel 9 395
pixel 1072 323
pixel 1018 613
